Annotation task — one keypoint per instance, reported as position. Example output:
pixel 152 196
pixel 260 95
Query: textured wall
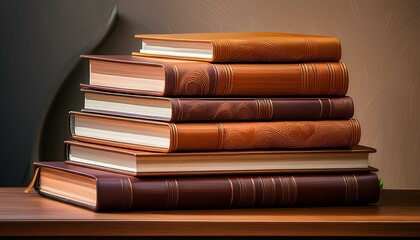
pixel 379 40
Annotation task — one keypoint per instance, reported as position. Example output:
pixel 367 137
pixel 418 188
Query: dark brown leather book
pixel 104 191
pixel 143 163
pixel 170 77
pixel 241 47
pixel 171 137
pixel 216 109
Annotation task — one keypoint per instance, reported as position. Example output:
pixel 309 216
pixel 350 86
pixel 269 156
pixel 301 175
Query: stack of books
pixel 217 120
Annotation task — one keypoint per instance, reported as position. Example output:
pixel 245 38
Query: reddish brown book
pixel 143 163
pixel 170 77
pixel 216 109
pixel 104 191
pixel 171 137
pixel 241 47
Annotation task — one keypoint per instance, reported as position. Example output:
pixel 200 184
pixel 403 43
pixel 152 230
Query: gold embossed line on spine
pixel 349 110
pixel 268 191
pixel 224 79
pixel 356 132
pixel 285 192
pixel 304 83
pixel 231 192
pixel 173 134
pixel 264 109
pixel 321 108
pixel 312 49
pixel 127 194
pixel 175 80
pixel 351 188
pixel 338 47
pixel 246 192
pixel 293 191
pixel 173 194
pixel 312 79
pixel 331 108
pixel 222 50
pixel 345 79
pixel 289 191
pixel 221 137
pixel 177 111
pixel 332 80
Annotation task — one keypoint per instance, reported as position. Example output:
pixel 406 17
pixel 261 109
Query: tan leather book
pixel 171 137
pixel 144 163
pixel 170 77
pixel 241 47
pixel 105 191
pixel 216 109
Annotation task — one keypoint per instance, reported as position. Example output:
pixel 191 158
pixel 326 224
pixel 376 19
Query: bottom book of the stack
pixel 106 191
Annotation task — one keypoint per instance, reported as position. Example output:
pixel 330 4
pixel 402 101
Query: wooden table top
pixel 397 214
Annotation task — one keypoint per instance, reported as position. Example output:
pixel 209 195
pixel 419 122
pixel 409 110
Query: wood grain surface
pixel 397 214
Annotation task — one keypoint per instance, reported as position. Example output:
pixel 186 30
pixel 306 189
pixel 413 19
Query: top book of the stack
pixel 241 47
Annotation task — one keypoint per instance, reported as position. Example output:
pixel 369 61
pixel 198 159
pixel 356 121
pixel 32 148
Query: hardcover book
pixel 241 47
pixel 105 191
pixel 143 163
pixel 209 136
pixel 216 109
pixel 170 77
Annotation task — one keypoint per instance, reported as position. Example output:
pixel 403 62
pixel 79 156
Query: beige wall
pixel 381 47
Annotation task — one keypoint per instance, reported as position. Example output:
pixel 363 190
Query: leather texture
pixel 194 78
pixel 240 109
pixel 237 135
pixel 260 46
pixel 116 192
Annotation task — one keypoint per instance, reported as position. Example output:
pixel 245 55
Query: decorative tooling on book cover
pixel 292 134
pixel 272 49
pixel 262 109
pixel 203 79
pixel 265 135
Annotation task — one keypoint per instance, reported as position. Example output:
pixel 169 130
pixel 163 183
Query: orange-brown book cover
pixel 105 191
pixel 241 47
pixel 170 77
pixel 172 137
pixel 175 109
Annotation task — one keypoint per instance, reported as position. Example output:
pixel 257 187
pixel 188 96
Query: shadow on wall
pixel 40 45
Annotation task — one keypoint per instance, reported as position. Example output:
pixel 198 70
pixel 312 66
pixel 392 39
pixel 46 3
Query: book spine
pixel 277 50
pixel 264 135
pixel 237 192
pixel 264 109
pixel 205 79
